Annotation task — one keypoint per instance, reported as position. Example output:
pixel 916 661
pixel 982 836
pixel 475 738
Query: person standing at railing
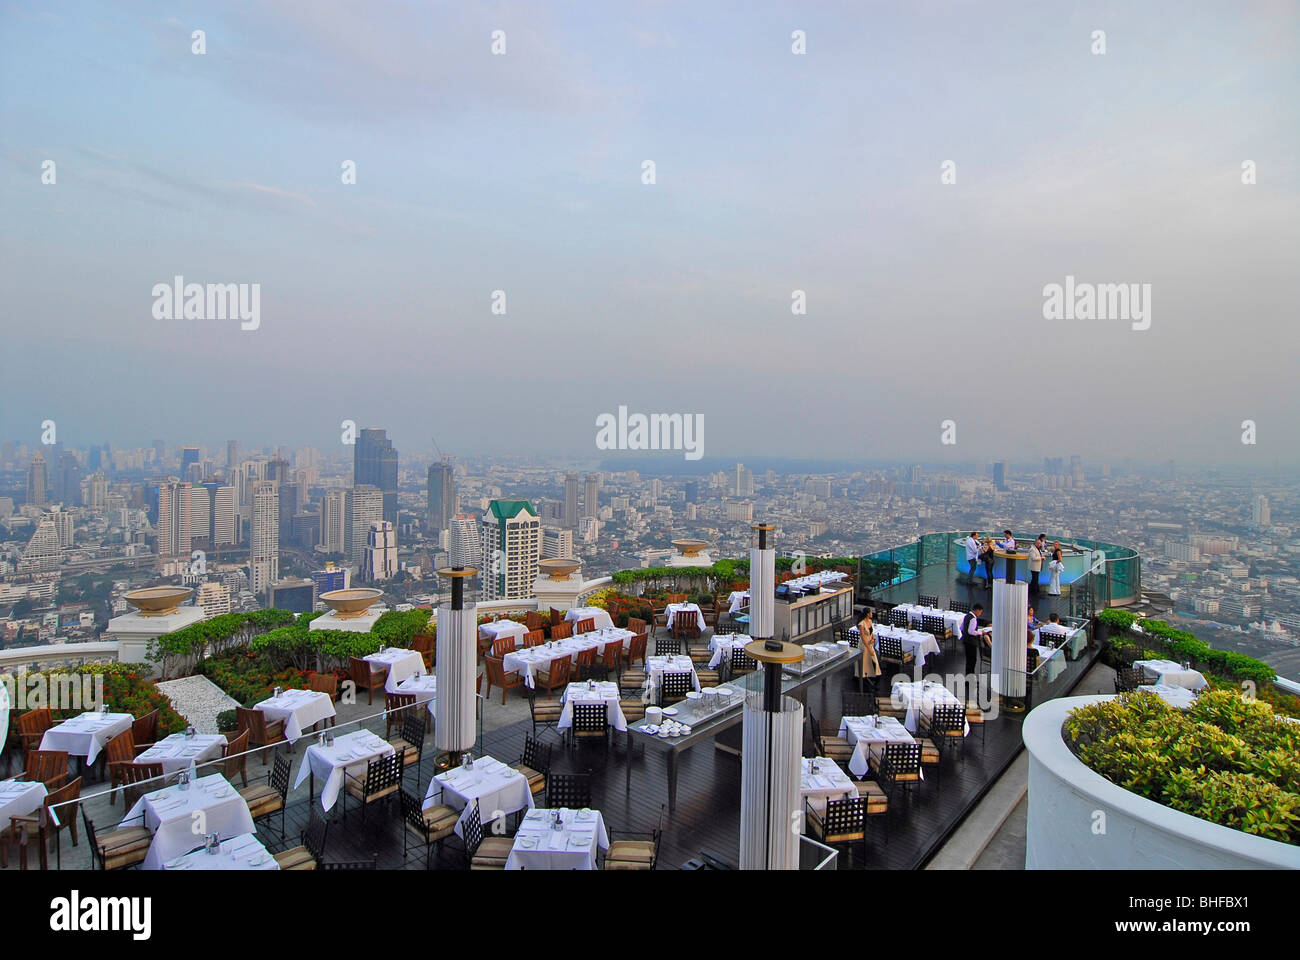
pixel 988 555
pixel 1037 550
pixel 1054 569
pixel 972 554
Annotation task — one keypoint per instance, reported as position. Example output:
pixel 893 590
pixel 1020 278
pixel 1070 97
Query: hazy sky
pixel 775 172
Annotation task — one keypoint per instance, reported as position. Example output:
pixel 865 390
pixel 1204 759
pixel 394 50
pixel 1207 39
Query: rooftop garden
pixel 1226 759
pixel 126 690
pixel 726 574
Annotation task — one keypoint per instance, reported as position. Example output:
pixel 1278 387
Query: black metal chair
pixel 118 849
pixel 856 704
pixel 544 713
pixel 266 799
pixel 740 662
pixel 889 650
pixel 673 687
pixel 959 606
pixel 411 742
pixel 383 779
pixel 534 764
pixel 898 767
pixel 898 618
pixel 571 790
pixel 631 851
pixel 484 853
pixel 669 646
pixel 926 600
pixel 843 824
pixel 1128 679
pixel 591 724
pixel 428 826
pixel 833 748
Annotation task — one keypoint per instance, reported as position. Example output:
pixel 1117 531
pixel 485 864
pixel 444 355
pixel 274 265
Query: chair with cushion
pixel 119 750
pixel 117 849
pixel 1128 679
pixel 32 726
pixel 898 617
pixel 629 851
pixel 590 724
pixel 544 713
pixel 926 600
pixel 57 812
pixel 484 853
pixel 410 744
pixel 583 662
pixel 309 853
pixel 636 648
pixel 534 764
pixel 877 802
pixel 708 678
pixel 855 704
pixel 503 645
pixel 383 778
pixel 558 673
pixel 569 790
pixel 235 754
pixel 261 732
pixel 272 797
pixel 890 652
pixel 833 748
pixel 49 767
pixel 740 662
pixel 959 606
pixel 397 706
pixel 428 826
pixel 363 678
pixel 844 821
pixel 898 766
pixel 669 646
pixel 975 717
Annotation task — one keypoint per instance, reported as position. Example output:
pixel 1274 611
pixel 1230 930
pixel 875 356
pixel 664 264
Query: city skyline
pixel 818 173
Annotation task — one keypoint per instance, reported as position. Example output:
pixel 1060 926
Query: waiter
pixel 972 636
pixel 972 553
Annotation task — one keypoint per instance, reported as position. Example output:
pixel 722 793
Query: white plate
pixel 725 691
pixel 693 694
pixel 670 711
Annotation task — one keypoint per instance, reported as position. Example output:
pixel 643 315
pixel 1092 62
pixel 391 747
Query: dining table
pixel 674 610
pixel 349 754
pixel 299 709
pixel 558 839
pixel 531 661
pixel 600 617
pixel 178 751
pixel 176 815
pixel 400 663
pixel 919 698
pixel 85 734
pixel 1173 674
pixel 868 736
pixel 241 852
pixel 604 691
pixel 821 779
pixel 499 789
pixel 495 630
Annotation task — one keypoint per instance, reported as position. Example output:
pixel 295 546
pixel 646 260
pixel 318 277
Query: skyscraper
pixel 67 479
pixel 571 500
pixel 375 463
pixel 380 559
pixel 1000 475
pixel 225 514
pixel 463 542
pixel 232 455
pixel 365 507
pixel 200 513
pixel 189 455
pixel 264 537
pixel 442 496
pixel 174 518
pixel 1261 515
pixel 38 481
pixel 333 522
pixel 511 534
pixel 590 495
pixel 692 491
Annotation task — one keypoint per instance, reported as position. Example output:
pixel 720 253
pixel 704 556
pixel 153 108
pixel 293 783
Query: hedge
pixel 1181 645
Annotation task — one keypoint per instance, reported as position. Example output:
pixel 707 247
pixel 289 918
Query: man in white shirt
pixel 1036 550
pixel 973 636
pixel 1008 544
pixel 972 554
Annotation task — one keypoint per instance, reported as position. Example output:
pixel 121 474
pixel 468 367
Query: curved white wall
pixel 1068 803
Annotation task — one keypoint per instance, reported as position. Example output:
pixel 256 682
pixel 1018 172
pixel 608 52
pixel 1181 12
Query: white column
pixel 1010 629
pixel 454 730
pixel 762 592
pixel 771 761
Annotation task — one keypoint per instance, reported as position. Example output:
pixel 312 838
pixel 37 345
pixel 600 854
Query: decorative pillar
pixel 762 586
pixel 457 668
pixel 1010 626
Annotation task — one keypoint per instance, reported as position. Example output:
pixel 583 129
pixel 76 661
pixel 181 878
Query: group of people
pixel 973 636
pixel 984 552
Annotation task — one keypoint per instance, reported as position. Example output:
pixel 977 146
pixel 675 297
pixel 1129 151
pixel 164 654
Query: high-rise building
pixel 380 559
pixel 213 598
pixel 288 508
pixel 67 479
pixel 232 455
pixel 42 550
pixel 200 513
pixel 656 488
pixel 1000 475
pixel 38 481
pixel 63 526
pixel 511 535
pixel 463 543
pixel 1261 515
pixel 442 496
pixel 331 578
pixel 264 537
pixel 225 514
pixel 375 463
pixel 692 491
pixel 365 507
pixel 333 522
pixel 297 595
pixel 95 490
pixel 590 495
pixel 557 544
pixel 174 519
pixel 189 455
pixel 571 500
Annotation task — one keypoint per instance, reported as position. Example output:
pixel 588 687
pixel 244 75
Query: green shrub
pixel 1225 759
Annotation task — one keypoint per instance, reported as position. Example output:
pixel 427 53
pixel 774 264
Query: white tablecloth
pixel 425 689
pixel 86 734
pixel 177 752
pixel 19 798
pixel 656 667
pixel 739 599
pixel 605 691
pixel 244 852
pixel 722 644
pixel 869 740
pixel 538 846
pixel 1179 697
pixel 919 644
pixel 686 609
pixel 498 629
pixel 500 791
pixel 400 663
pixel 1172 674
pixel 533 660
pixel 351 752
pixel 1051 662
pixel 601 617
pixel 1069 638
pixel 299 709
pixel 829 783
pixel 172 815
pixel 919 698
pixel 951 618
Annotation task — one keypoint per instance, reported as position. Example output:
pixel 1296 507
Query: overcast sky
pixel 775 172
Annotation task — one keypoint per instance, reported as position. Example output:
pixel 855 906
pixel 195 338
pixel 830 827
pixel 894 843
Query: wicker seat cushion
pixel 639 852
pixel 410 752
pixel 877 802
pixel 441 819
pixel 492 853
pixel 548 709
pixel 299 858
pixel 536 780
pixel 261 798
pixel 123 847
pixel 929 752
pixel 358 789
